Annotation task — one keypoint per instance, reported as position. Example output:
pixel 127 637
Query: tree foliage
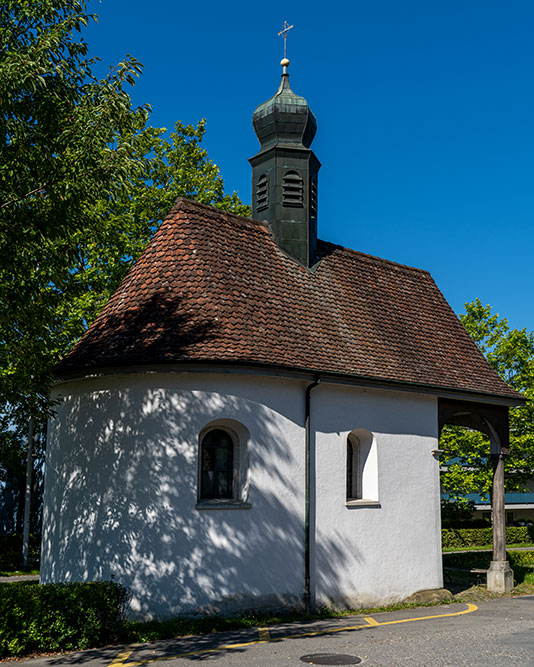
pixel 66 143
pixel 511 353
pixel 84 183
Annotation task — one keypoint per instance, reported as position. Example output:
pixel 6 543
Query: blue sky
pixel 425 115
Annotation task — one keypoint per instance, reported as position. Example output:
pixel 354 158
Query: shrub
pixel 456 514
pixel 482 559
pixel 57 617
pixel 522 562
pixel 11 552
pixel 479 537
pixel 471 523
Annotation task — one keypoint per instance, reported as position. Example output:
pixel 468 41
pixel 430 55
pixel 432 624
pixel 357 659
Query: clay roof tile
pixel 212 286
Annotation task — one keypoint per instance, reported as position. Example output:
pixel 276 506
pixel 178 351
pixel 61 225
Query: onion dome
pixel 284 119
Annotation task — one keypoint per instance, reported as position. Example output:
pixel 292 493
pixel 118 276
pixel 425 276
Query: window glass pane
pixel 208 459
pixel 216 438
pixel 353 472
pixel 216 465
pixel 224 486
pixel 350 469
pixel 223 458
pixel 208 486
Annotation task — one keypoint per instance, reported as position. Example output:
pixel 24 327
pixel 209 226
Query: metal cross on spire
pixel 283 33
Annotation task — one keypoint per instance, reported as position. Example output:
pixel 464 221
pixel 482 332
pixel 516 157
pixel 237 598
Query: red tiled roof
pixel 214 287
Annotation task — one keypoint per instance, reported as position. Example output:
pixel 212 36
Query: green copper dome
pixel 284 172
pixel 284 119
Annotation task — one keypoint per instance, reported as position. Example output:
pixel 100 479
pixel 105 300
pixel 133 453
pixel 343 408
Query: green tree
pixel 66 142
pixel 61 297
pixel 511 353
pixel 84 183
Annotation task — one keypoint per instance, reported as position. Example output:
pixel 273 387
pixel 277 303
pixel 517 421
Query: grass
pixel 471 587
pixel 479 593
pixel 16 573
pixel 488 547
pixel 146 631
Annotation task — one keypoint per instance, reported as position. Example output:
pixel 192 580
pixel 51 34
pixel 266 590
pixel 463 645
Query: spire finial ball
pixel 284 62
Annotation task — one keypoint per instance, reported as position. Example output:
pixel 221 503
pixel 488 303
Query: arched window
pixel 292 189
pixel 223 465
pixel 354 482
pixel 262 193
pixel 216 465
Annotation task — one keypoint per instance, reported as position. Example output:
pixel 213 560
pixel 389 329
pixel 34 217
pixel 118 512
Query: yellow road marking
pixel 470 608
pixel 122 656
pixel 370 623
pixel 370 620
pixel 222 647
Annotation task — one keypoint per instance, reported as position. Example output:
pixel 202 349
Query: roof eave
pixel 244 367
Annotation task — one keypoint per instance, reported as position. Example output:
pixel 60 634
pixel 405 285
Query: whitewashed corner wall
pixel 383 553
pixel 121 490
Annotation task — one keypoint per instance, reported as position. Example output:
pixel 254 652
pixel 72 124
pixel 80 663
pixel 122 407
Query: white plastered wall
pixel 383 552
pixel 121 490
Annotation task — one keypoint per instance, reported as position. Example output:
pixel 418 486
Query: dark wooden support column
pixel 500 574
pixel 498 510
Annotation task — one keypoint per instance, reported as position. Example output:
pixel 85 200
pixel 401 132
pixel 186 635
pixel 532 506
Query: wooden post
pixel 493 421
pixel 498 508
pixel 500 575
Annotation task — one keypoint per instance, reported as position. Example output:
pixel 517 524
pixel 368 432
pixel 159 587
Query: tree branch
pixel 28 194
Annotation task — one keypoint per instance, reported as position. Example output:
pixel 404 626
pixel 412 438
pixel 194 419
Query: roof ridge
pixel 376 259
pixel 184 204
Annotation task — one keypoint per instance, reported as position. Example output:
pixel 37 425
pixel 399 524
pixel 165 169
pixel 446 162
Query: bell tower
pixel 284 171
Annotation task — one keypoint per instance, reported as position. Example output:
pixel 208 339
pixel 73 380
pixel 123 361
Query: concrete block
pixel 500 577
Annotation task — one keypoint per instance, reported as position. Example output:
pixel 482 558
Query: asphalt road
pixel 500 632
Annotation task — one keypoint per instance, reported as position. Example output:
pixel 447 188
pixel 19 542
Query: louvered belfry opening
pixel 262 193
pixel 292 189
pixel 284 172
pixel 313 198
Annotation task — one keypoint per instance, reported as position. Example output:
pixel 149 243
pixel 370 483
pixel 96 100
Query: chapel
pixel 252 420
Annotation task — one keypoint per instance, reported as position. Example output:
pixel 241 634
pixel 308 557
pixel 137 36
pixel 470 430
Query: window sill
pixel 362 502
pixel 222 505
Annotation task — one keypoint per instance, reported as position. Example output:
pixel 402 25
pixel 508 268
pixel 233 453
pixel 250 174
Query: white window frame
pixel 364 491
